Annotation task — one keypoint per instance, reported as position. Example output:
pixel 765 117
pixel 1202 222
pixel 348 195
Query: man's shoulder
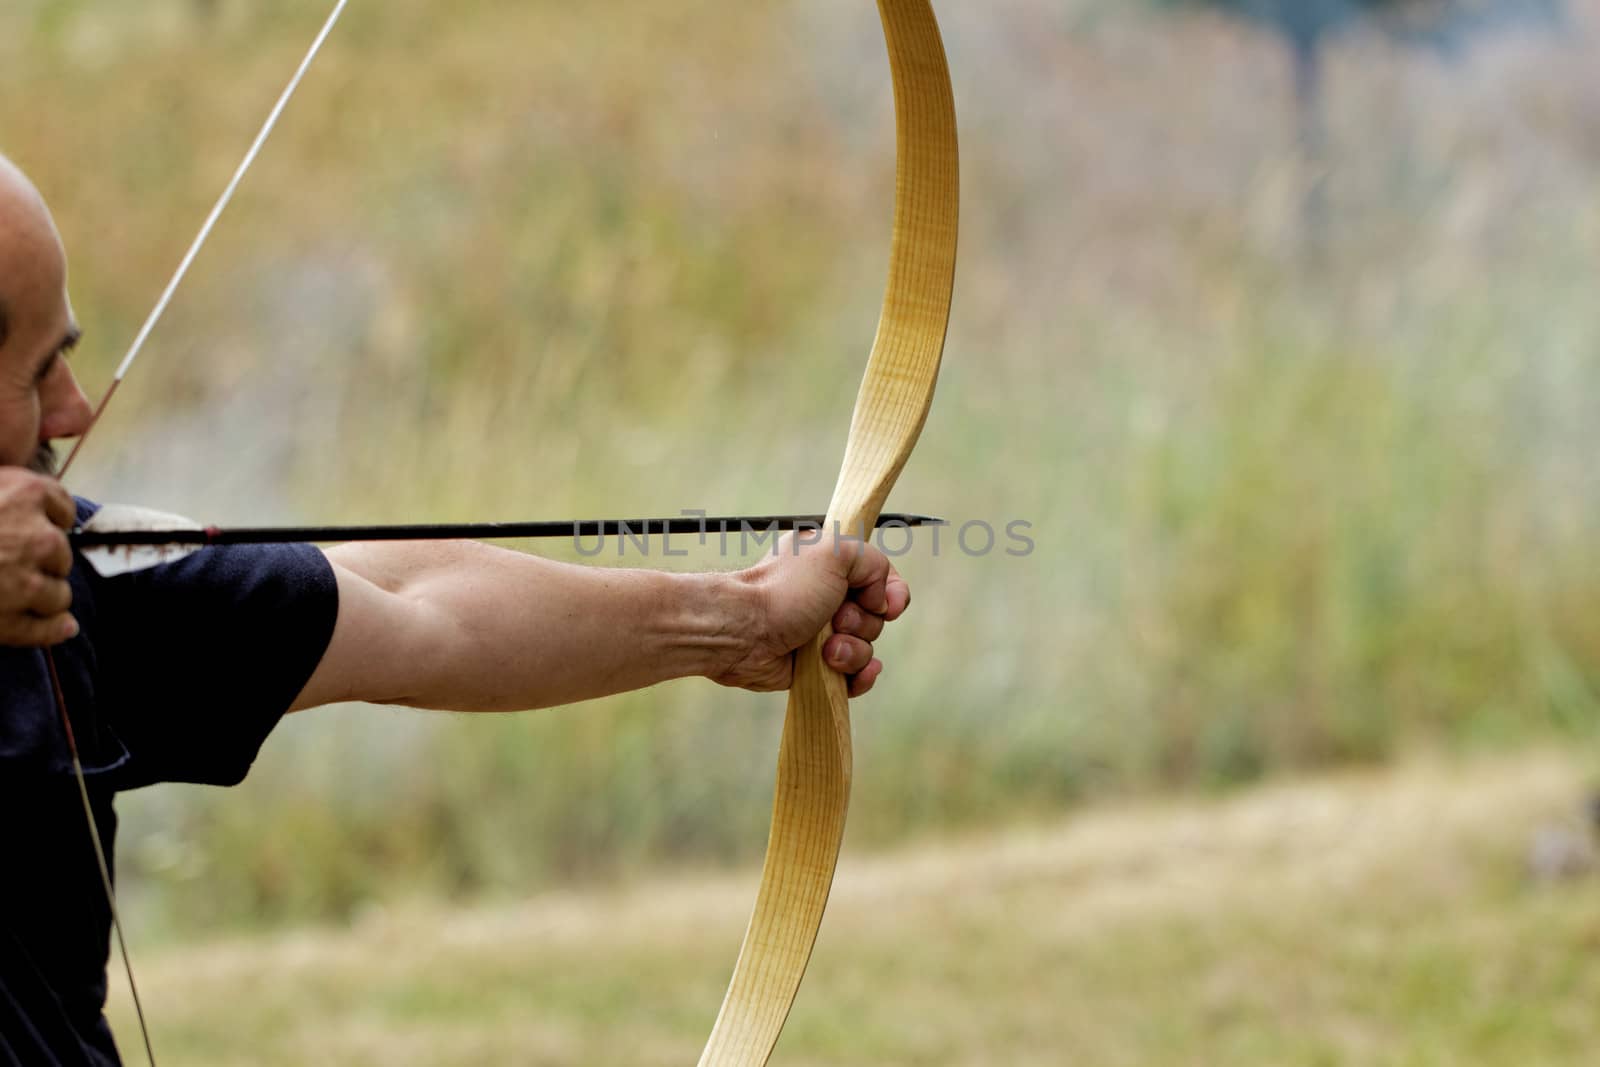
pixel 191 661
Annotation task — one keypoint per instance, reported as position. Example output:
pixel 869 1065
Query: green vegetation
pixel 516 260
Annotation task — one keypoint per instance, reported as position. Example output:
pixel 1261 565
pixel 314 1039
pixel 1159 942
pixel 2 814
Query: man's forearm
pixel 486 629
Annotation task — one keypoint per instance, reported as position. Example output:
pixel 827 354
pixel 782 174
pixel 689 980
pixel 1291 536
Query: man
pixel 178 673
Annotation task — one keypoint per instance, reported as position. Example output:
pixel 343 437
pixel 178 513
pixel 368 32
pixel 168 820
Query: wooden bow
pixel 814 760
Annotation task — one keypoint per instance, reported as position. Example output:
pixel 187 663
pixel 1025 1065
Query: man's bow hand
pixel 846 583
pixel 35 559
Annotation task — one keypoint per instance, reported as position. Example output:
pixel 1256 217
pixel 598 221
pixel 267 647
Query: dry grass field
pixel 1383 918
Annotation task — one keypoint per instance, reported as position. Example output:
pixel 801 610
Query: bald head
pixel 39 399
pixel 16 190
pixel 13 184
pixel 33 266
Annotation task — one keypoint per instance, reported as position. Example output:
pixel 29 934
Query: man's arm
pixel 35 559
pixel 467 627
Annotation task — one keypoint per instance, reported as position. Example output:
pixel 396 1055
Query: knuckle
pixel 59 595
pixel 46 543
pixel 46 594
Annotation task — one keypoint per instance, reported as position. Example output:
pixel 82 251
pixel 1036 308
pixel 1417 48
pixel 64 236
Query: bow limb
pixel 814 760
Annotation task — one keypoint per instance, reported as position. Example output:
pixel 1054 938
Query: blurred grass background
pixel 1298 500
pixel 1364 918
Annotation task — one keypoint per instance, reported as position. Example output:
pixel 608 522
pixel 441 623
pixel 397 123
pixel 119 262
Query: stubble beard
pixel 43 461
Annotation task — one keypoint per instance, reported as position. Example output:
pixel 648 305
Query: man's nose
pixel 64 410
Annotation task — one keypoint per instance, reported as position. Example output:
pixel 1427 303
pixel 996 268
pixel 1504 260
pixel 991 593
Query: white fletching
pixel 109 561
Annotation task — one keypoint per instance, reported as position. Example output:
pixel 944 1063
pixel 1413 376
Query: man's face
pixel 39 398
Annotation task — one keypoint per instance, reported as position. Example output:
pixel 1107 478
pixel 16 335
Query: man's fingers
pixel 864 679
pixel 53 597
pixel 54 553
pixel 875 595
pixel 846 654
pixel 26 631
pixel 35 560
pixel 25 491
pixel 59 507
pixel 897 594
pixel 869 572
pixel 852 657
pixel 853 620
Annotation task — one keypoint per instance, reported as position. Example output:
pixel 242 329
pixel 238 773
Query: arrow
pixel 122 539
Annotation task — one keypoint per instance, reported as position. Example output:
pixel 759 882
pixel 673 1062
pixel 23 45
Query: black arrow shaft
pixel 477 531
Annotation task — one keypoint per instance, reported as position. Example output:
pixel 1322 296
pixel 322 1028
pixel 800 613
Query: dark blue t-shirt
pixel 178 675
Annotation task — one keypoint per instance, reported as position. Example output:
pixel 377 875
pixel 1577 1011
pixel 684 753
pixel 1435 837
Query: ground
pixel 1380 918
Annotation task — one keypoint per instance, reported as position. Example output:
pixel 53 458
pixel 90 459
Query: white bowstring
pixel 122 370
pixel 227 195
pixel 205 232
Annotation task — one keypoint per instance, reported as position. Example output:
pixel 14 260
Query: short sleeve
pixel 200 658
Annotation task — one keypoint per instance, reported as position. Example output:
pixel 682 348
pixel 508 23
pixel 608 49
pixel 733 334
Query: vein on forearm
pixel 467 627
